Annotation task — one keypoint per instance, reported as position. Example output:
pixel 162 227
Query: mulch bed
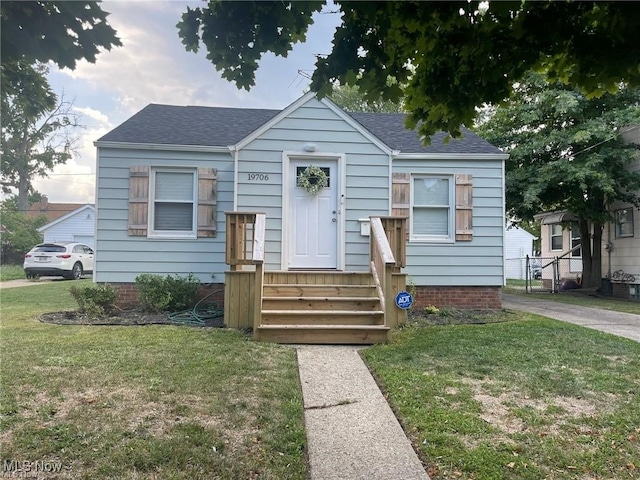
pixel 124 318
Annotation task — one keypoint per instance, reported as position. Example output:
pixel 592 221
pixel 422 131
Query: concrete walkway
pixel 352 432
pixel 621 324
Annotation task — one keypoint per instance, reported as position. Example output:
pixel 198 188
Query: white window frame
pixel 575 235
pixel 193 233
pixel 421 238
pixel 629 210
pixel 551 235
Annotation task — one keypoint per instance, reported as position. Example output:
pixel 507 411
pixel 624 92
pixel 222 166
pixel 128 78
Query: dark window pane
pixel 173 216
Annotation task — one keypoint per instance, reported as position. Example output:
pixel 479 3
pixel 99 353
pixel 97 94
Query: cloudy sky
pixel 152 66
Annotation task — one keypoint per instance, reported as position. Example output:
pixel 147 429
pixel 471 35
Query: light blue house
pixel 167 176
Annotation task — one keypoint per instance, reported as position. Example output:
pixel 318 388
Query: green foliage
pixel 567 153
pixel 95 300
pixel 61 32
pixel 351 99
pixel 170 293
pixel 36 129
pixel 21 232
pixel 446 58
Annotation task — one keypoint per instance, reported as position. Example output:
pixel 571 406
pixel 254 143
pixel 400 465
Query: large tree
pixel 37 131
pixel 567 153
pixel 446 58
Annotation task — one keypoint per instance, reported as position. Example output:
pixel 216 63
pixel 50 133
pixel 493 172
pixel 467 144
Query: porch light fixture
pixel 310 147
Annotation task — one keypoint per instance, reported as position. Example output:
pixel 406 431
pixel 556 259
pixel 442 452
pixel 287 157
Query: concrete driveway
pixel 621 324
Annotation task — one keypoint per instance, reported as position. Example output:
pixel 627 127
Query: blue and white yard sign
pixel 404 300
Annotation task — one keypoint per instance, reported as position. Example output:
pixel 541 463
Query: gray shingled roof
pixel 216 126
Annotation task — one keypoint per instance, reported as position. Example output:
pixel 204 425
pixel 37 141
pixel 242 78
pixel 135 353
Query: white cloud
pixel 153 66
pixel 93 114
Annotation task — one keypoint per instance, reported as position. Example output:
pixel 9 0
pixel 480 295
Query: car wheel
pixel 76 271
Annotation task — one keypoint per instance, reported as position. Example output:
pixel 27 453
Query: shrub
pixel 431 310
pixel 170 293
pixel 95 300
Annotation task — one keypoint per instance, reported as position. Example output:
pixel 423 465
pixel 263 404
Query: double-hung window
pixel 432 205
pixel 624 222
pixel 174 203
pixel 556 236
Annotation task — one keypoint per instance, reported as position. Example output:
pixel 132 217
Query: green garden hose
pixel 202 314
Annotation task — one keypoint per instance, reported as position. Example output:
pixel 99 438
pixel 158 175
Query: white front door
pixel 313 219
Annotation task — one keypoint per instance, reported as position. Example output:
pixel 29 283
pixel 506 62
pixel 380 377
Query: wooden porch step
pixel 322 317
pixel 310 290
pixel 324 334
pixel 318 277
pixel 320 303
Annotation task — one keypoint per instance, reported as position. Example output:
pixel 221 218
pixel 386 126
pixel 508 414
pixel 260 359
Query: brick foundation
pixel 454 297
pixel 459 297
pixel 128 295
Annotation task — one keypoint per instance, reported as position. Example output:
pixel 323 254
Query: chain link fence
pixel 552 274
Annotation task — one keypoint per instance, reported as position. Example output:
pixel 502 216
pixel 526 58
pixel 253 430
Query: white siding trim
pixel 504 216
pixel 236 177
pixel 161 146
pixel 340 160
pixel 390 184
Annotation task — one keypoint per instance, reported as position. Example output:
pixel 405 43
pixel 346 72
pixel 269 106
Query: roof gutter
pixel 451 156
pixel 162 146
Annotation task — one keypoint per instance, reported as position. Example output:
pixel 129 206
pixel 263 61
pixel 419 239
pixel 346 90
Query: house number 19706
pixel 258 177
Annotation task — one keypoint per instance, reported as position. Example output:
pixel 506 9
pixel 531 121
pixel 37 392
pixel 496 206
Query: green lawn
pixel 526 399
pixel 164 401
pixel 11 272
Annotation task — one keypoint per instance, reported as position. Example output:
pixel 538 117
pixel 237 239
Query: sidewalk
pixel 352 432
pixel 621 324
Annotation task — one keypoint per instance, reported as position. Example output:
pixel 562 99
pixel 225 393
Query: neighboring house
pixel 620 241
pixel 166 177
pixel 75 226
pixel 518 244
pixel 51 210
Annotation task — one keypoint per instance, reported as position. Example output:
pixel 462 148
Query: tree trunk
pixel 23 193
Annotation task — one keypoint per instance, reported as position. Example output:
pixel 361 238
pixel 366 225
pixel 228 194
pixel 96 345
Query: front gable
pixel 310 101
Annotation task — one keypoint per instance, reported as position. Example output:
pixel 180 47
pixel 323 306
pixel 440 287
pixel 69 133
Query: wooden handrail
pixel 395 228
pixel 246 232
pixel 259 230
pixel 245 238
pixel 384 263
pixel 380 241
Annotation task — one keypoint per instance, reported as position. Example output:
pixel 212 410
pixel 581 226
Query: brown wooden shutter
pixel 464 208
pixel 400 200
pixel 138 200
pixel 207 204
